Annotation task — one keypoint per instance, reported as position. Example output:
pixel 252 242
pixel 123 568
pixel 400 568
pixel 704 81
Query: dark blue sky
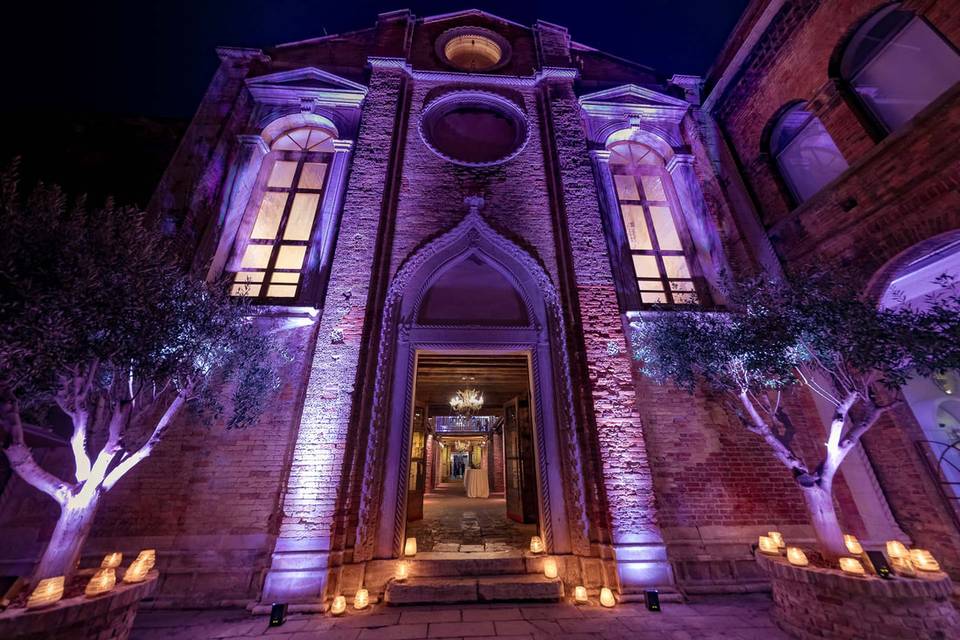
pixel 156 57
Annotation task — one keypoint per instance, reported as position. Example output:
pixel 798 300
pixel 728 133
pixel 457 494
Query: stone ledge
pixel 110 615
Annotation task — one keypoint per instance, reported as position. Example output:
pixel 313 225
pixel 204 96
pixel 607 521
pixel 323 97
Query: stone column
pixel 624 468
pixel 241 181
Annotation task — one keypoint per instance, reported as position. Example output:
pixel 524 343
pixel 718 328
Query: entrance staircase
pixel 494 576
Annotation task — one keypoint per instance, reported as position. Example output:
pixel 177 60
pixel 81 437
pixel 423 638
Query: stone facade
pixel 650 487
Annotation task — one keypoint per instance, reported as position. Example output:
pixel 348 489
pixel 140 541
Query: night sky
pixel 155 58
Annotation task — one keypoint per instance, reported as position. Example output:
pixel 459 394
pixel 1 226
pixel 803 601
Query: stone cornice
pixel 306 84
pixel 546 74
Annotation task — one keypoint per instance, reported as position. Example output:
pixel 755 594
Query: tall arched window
pixel 656 240
pixel 804 152
pixel 897 64
pixel 274 254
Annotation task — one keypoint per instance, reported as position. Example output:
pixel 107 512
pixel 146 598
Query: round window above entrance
pixel 473 49
pixel 474 128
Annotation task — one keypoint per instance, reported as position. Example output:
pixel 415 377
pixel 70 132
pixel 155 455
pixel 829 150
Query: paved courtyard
pixel 732 617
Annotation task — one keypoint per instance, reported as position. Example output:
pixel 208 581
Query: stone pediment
pixel 631 94
pixel 306 83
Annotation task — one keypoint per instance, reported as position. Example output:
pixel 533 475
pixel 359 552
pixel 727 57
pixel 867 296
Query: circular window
pixel 473 49
pixel 474 128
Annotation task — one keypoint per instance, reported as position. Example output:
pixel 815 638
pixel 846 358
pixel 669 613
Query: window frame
pixel 785 177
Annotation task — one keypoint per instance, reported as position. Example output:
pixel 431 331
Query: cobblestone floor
pixel 453 522
pixel 703 618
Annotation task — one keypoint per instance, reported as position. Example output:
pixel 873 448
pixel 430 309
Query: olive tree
pixel 100 323
pixel 811 330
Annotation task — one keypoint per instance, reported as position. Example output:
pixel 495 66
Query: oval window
pixel 473 128
pixel 473 49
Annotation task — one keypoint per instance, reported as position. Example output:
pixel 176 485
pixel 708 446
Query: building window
pixel 473 49
pixel 273 263
pixel 897 65
pixel 645 195
pixel 805 153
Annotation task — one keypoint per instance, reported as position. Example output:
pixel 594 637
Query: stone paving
pixel 730 617
pixel 453 522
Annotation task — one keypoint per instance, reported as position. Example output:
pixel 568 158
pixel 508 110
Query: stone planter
pixel 813 603
pixel 108 616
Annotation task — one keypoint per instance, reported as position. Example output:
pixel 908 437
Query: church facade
pixel 431 206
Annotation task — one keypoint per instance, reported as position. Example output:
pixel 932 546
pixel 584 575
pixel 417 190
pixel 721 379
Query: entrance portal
pixel 473 477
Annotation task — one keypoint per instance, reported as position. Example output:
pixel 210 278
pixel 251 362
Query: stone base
pixel 812 603
pixel 508 588
pixel 108 616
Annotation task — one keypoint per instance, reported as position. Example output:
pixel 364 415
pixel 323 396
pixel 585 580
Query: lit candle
pixel 580 594
pixel 797 557
pixel 851 566
pixel 48 592
pixel 777 538
pixel 606 597
pixel 410 547
pixel 148 557
pixel 362 599
pixel 102 581
pixel 536 544
pixel 339 606
pixel 136 572
pixel 550 568
pixel 896 549
pixel 924 560
pixel 853 545
pixel 769 545
pixel 112 560
pixel 402 572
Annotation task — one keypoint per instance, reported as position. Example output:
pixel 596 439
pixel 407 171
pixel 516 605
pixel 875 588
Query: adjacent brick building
pixel 337 179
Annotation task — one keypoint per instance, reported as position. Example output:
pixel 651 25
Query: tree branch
pixel 21 458
pixel 762 428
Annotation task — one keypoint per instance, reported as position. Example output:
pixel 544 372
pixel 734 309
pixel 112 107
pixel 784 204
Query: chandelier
pixel 467 401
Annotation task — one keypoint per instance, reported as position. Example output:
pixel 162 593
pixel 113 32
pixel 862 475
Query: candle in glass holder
pixel 148 557
pixel 851 566
pixel 924 560
pixel 550 568
pixel 797 557
pixel 361 599
pixel 410 547
pixel 777 538
pixel 769 546
pixel 606 597
pixel 48 592
pixel 402 572
pixel 896 549
pixel 102 581
pixel 580 594
pixel 136 572
pixel 112 560
pixel 338 606
pixel 536 544
pixel 853 545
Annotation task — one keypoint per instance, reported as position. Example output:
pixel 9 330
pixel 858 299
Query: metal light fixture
pixel 467 402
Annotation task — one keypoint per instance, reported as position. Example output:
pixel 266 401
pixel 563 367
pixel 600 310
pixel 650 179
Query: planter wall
pixel 80 618
pixel 812 603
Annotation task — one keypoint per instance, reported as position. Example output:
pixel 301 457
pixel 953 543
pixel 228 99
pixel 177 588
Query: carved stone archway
pixel 563 513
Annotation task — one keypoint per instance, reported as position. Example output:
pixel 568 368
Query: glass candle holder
pixel 777 538
pixel 410 547
pixel 148 557
pixel 924 560
pixel 797 557
pixel 48 592
pixel 896 549
pixel 580 594
pixel 338 606
pixel 103 581
pixel 768 545
pixel 851 566
pixel 136 572
pixel 536 544
pixel 853 545
pixel 112 560
pixel 606 597
pixel 550 568
pixel 361 599
pixel 403 571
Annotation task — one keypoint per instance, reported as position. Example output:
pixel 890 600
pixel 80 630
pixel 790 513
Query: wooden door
pixel 511 462
pixel 416 482
pixel 528 462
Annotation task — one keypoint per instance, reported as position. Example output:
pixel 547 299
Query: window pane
pixel 320 141
pixel 681 285
pixel 653 188
pixel 909 73
pixel 665 228
pixel 652 297
pixel 250 290
pixel 312 175
pixel 637 234
pixel 301 216
pixel 811 160
pixel 282 173
pixel 626 187
pixel 676 267
pixel 646 267
pixel 286 277
pixel 256 256
pixel 686 298
pixel 282 290
pixel 299 137
pixel 249 276
pixel 268 218
pixel 291 257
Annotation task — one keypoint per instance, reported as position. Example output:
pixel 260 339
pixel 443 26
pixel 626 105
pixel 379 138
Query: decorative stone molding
pixel 811 602
pixel 545 74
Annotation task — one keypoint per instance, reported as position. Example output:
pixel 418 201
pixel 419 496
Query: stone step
pixel 436 564
pixel 510 588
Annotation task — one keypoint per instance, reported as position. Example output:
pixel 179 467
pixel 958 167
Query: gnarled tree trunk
pixel 823 517
pixel 73 526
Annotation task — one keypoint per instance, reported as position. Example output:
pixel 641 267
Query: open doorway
pixel 472 484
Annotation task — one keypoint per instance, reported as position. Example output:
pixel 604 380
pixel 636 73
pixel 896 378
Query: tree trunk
pixel 823 517
pixel 62 554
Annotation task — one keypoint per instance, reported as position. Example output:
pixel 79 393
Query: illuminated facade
pixel 433 194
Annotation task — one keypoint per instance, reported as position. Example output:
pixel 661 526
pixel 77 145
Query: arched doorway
pixel 472 292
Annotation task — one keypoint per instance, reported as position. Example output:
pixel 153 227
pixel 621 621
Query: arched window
pixel 804 152
pixel 655 239
pixel 274 257
pixel 897 64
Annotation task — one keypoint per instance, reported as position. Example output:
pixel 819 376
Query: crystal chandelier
pixel 467 401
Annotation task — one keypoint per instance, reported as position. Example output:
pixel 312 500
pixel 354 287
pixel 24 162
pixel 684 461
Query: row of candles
pixel 905 561
pixel 50 590
pixel 361 599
